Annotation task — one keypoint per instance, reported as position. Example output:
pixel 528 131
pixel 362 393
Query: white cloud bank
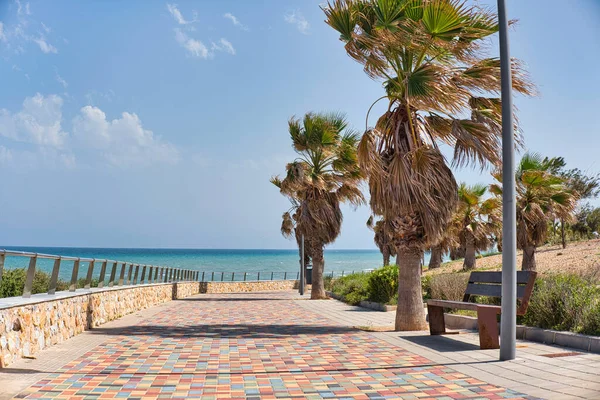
pixel 296 18
pixel 38 122
pixel 122 141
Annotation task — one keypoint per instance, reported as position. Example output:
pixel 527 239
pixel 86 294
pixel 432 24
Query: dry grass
pixel 582 258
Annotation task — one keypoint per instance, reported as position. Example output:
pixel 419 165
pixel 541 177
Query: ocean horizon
pixel 220 261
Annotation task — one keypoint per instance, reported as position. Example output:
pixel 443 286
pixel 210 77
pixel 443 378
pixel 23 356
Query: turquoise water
pixel 224 262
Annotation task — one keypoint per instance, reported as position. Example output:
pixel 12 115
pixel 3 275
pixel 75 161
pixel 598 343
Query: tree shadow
pixel 209 299
pixel 441 343
pixel 224 331
pixel 25 371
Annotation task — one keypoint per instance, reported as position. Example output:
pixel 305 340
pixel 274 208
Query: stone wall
pixel 182 290
pixel 29 328
pixel 113 304
pixel 241 287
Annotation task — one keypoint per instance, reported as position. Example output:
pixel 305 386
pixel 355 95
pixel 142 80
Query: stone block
pixel 595 344
pixel 574 340
pixel 539 335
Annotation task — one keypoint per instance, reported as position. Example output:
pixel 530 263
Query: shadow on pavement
pixel 20 371
pixel 223 331
pixel 441 343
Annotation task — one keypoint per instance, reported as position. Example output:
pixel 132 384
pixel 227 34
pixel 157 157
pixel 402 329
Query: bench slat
pixel 490 290
pixel 496 277
pixel 459 305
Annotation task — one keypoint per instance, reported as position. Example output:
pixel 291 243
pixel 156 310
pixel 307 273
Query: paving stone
pixel 258 345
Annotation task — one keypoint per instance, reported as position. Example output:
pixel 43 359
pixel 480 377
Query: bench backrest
pixel 489 283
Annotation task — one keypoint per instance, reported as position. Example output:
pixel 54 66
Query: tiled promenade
pixel 253 346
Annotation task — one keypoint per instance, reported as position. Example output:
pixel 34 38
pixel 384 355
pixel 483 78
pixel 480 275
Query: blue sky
pixel 155 124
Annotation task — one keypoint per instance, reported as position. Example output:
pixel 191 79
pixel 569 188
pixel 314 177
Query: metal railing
pixel 224 276
pixel 128 274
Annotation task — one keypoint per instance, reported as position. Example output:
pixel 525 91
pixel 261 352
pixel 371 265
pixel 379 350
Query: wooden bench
pixel 482 284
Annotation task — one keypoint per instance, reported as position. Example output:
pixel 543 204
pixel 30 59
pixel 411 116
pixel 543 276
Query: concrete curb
pixel 365 304
pixel 546 336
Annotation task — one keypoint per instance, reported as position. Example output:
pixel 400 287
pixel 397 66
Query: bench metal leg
pixel 437 325
pixel 488 328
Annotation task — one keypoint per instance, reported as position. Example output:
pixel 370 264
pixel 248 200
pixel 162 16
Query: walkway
pixel 270 345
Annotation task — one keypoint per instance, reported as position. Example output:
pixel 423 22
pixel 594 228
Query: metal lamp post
pixel 508 324
pixel 302 268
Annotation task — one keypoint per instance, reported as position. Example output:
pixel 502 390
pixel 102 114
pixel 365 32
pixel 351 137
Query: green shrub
pixel 426 286
pixel 383 284
pixel 565 302
pixel 13 282
pixel 353 287
pixel 328 282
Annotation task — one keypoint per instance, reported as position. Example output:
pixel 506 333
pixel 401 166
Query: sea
pixel 214 264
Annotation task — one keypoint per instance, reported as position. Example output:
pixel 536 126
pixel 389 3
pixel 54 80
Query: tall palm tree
pixel 383 238
pixel 477 220
pixel 430 56
pixel 541 197
pixel 325 174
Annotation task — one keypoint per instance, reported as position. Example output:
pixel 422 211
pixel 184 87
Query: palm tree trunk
pixel 528 258
pixel 410 314
pixel 436 257
pixel 470 260
pixel 386 255
pixel 318 286
pixel 563 235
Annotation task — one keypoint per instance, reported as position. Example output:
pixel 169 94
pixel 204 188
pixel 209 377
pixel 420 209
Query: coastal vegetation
pixel 324 175
pixel 565 299
pixel 431 60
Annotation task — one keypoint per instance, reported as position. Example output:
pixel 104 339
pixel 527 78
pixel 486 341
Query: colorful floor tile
pixel 253 346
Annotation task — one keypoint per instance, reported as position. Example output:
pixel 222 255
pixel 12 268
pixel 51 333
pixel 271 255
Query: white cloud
pixel 178 16
pixel 45 46
pixel 47 29
pixel 235 21
pixel 122 141
pixel 224 45
pixel 38 122
pixel 296 18
pixel 60 80
pixel 3 37
pixel 194 47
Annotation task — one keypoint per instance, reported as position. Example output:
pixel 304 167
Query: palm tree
pixel 446 245
pixel 430 57
pixel 477 220
pixel 541 197
pixel 383 238
pixel 325 174
pixel 288 228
